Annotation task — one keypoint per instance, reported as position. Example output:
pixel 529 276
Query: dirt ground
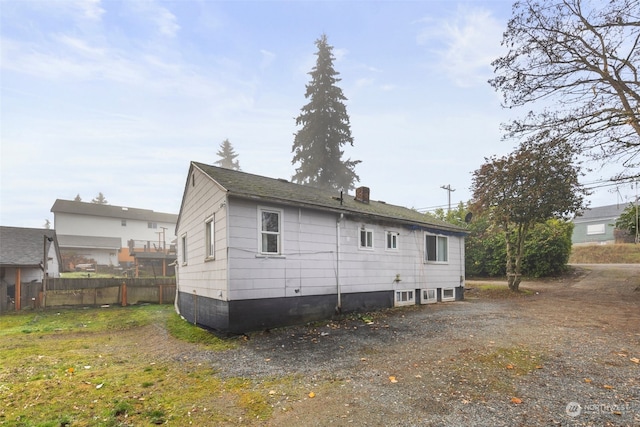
pixel 566 352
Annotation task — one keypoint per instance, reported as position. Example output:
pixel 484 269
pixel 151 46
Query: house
pixel 22 272
pixel 596 225
pixel 256 252
pixel 99 232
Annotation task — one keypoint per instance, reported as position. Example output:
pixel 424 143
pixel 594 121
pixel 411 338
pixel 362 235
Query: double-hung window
pixel 436 248
pixel 366 238
pixel 210 238
pixel 392 240
pixel 270 231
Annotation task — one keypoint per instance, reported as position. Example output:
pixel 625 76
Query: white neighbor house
pixel 256 253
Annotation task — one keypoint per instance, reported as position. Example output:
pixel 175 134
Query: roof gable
pixel 24 247
pixel 260 188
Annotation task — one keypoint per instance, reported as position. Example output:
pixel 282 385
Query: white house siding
pixel 308 263
pixel 205 278
pixel 88 225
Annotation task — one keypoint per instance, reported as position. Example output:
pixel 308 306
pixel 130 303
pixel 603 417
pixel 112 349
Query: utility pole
pixel 449 191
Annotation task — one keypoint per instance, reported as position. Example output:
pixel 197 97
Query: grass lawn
pixel 83 368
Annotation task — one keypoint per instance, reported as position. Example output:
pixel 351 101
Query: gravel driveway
pixel 566 353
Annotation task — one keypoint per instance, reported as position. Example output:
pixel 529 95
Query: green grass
pixel 90 368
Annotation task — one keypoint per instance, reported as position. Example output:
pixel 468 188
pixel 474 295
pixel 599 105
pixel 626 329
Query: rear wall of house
pixel 308 262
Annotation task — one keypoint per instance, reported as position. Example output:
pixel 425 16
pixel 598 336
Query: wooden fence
pixel 94 292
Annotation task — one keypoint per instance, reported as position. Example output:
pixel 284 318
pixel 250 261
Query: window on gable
pixel 270 231
pixel 436 248
pixel 366 238
pixel 183 254
pixel 392 240
pixel 210 238
pixel 123 222
pixel 152 225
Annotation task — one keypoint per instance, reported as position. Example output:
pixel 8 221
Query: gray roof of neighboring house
pixel 24 247
pixel 256 187
pixel 609 212
pixel 110 211
pixel 92 242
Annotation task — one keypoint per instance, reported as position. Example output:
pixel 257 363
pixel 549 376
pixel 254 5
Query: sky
pixel 117 97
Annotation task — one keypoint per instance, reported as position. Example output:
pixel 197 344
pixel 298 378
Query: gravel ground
pixel 565 354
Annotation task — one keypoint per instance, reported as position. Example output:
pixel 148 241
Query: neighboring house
pixel 596 225
pixel 82 229
pixel 21 264
pixel 256 253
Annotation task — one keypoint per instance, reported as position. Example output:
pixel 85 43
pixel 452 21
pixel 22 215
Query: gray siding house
pixel 257 253
pixel 596 225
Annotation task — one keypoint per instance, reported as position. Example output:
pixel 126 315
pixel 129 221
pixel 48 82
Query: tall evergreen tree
pixel 227 156
pixel 100 199
pixel 78 198
pixel 317 147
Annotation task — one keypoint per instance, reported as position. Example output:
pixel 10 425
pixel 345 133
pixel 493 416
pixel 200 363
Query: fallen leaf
pixel 608 387
pixel 99 386
pixel 272 392
pixel 393 379
pixel 418 376
pixel 516 400
pixel 509 366
pixel 587 380
pixel 312 395
pixel 635 360
pixel 538 366
pixel 70 370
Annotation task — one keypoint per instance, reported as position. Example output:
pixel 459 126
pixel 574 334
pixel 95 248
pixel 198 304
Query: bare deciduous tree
pixel 578 60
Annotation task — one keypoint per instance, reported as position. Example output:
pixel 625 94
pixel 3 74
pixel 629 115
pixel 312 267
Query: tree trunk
pixel 514 284
pixel 511 276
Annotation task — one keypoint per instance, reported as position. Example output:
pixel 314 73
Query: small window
pixel 392 240
pixel 366 238
pixel 152 225
pixel 429 296
pixel 448 294
pixel 184 249
pixel 210 238
pixel 123 222
pixel 405 298
pixel 270 231
pixel 436 249
pixel 595 229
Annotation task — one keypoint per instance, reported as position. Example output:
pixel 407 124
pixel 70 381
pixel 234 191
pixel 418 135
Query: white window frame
pixel 262 233
pixel 183 244
pixel 391 240
pixel 368 246
pixel 210 238
pixel 152 225
pixel 440 258
pixel 449 298
pixel 593 229
pixel 429 296
pixel 404 297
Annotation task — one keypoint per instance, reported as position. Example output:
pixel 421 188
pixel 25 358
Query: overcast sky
pixel 119 96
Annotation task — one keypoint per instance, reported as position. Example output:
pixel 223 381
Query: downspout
pixel 338 284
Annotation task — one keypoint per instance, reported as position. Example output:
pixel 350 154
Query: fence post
pixel 123 292
pixel 160 292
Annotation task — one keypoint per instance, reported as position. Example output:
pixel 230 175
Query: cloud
pixel 464 45
pixel 267 58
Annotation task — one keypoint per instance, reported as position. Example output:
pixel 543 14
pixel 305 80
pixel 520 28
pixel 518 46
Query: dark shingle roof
pixel 256 187
pixel 23 247
pixel 93 242
pixel 110 211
